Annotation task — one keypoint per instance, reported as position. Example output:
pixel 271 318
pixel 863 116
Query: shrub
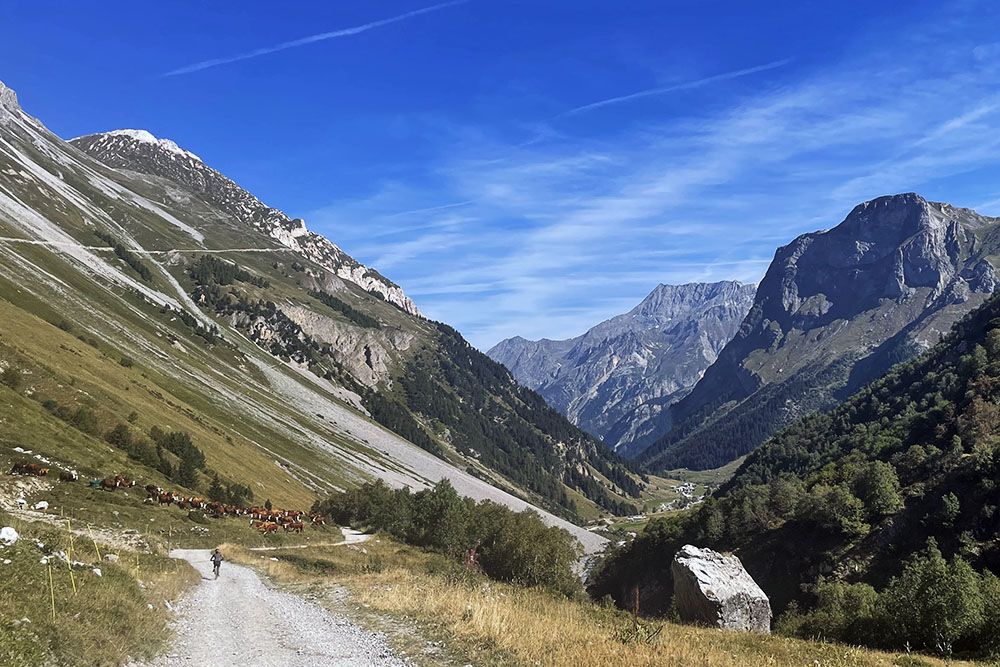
pixel 85 419
pixel 127 362
pixel 988 639
pixel 216 491
pixel 843 612
pixel 933 603
pixel 877 485
pixel 11 376
pixel 440 519
pixel 519 547
pixel 835 508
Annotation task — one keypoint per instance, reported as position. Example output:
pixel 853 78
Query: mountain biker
pixel 216 562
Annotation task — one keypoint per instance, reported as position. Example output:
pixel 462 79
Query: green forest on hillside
pixel 883 511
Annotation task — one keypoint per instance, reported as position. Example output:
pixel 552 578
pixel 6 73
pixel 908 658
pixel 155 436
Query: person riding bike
pixel 216 562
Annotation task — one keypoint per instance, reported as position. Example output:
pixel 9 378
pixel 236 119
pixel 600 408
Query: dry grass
pixel 506 625
pixel 106 620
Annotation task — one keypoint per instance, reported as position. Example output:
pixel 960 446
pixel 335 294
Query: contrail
pixel 344 32
pixel 429 209
pixel 680 86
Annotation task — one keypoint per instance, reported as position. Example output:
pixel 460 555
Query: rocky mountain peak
pixel 616 378
pixel 835 309
pixel 668 301
pixel 8 98
pixel 141 139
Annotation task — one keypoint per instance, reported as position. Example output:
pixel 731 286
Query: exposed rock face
pixel 8 99
pixel 140 151
pixel 616 379
pixel 835 310
pixel 714 589
pixel 368 354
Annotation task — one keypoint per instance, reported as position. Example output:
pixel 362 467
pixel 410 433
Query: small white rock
pixel 41 505
pixel 8 536
pixel 97 571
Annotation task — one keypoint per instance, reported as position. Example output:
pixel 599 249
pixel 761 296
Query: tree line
pixel 509 546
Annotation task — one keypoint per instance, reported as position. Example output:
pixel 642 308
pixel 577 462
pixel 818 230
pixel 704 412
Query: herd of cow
pixel 265 520
pixel 35 470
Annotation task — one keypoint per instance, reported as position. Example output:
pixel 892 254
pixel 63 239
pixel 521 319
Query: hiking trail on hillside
pixel 238 620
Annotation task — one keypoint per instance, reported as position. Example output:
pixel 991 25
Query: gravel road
pixel 237 620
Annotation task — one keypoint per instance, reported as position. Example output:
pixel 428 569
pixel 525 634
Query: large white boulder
pixel 714 589
pixel 8 536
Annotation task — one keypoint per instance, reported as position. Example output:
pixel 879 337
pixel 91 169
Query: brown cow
pixel 295 526
pixel 268 527
pixel 109 484
pixel 166 498
pixel 28 468
pixel 68 476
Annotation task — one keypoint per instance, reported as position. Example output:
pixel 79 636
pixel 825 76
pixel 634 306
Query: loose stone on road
pixel 237 620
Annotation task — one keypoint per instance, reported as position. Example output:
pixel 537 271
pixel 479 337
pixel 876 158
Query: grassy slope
pixel 105 620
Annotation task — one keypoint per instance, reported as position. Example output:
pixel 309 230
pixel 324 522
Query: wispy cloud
pixel 311 39
pixel 687 85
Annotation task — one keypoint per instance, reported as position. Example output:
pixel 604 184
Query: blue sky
pixel 531 167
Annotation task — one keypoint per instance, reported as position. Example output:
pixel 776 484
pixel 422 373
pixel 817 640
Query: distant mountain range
pixel 616 380
pixel 684 381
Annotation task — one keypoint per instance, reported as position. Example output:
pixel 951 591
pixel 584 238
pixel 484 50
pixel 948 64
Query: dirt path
pixel 237 620
pixel 351 536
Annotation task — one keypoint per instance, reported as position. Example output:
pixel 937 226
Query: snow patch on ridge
pixel 147 137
